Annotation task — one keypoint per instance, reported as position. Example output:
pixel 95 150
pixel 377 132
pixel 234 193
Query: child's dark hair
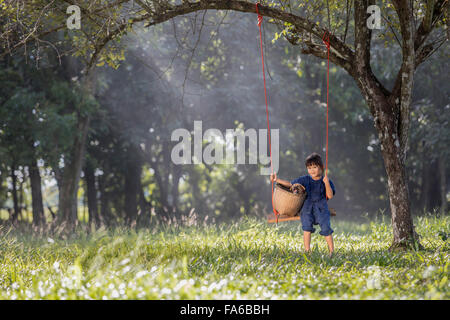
pixel 314 158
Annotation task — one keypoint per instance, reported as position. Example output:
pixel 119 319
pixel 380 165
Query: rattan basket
pixel 287 203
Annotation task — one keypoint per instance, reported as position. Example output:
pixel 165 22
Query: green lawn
pixel 244 260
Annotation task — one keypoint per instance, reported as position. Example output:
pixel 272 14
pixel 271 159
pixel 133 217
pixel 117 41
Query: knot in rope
pixel 260 17
pixel 326 39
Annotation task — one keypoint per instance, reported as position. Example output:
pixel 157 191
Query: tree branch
pixel 363 36
pixel 298 22
pixel 434 11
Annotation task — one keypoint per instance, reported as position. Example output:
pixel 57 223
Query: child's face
pixel 314 170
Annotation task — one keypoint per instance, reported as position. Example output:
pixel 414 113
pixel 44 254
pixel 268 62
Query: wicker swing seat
pixel 287 203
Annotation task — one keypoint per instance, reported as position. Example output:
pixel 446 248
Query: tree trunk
pixel 425 178
pixel 430 196
pixel 71 175
pixel 74 161
pixel 402 223
pixel 21 196
pixel 91 194
pixel 443 184
pixel 16 212
pixel 132 185
pixel 162 189
pixel 105 212
pixel 176 175
pixel 145 209
pixel 433 195
pixel 194 181
pixel 36 193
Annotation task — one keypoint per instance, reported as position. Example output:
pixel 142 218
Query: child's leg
pixel 330 243
pixel 307 240
pixel 325 229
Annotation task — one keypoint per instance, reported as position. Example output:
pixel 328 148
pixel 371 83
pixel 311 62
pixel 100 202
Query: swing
pixel 286 204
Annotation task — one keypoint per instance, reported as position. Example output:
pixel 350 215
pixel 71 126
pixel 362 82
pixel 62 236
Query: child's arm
pixel 273 177
pixel 328 190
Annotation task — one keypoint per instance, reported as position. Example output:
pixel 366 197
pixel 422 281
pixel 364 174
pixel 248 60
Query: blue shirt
pixel 315 193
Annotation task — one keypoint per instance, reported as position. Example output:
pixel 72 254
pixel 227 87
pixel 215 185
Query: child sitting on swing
pixel 315 208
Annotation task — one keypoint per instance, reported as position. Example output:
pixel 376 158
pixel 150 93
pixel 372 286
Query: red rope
pixel 260 19
pixel 326 41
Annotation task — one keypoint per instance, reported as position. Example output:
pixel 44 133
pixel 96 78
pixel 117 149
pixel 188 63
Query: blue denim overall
pixel 315 208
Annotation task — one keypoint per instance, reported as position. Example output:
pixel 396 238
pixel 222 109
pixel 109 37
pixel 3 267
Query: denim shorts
pixel 317 215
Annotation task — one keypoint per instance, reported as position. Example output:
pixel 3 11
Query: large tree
pixel 412 24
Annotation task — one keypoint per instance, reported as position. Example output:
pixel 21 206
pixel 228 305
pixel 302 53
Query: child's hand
pixel 329 192
pixel 273 177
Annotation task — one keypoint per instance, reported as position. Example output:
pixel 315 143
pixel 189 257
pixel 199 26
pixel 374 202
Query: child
pixel 315 208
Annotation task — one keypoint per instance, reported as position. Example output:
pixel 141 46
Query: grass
pixel 244 260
